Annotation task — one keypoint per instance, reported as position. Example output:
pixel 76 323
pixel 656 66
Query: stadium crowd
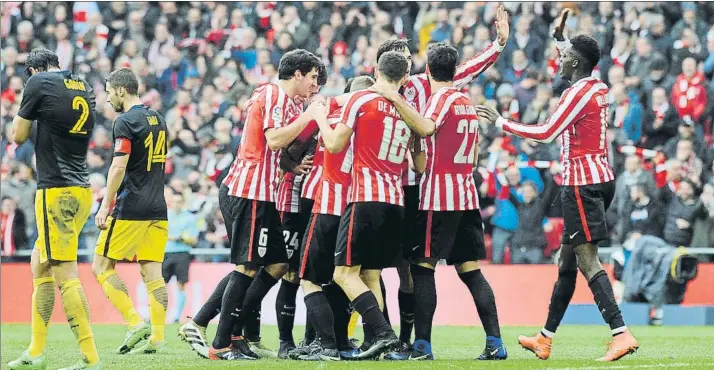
pixel 199 61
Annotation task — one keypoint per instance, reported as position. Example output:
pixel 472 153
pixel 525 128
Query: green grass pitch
pixel 454 348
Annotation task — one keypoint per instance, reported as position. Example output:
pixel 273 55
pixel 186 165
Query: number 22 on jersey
pixel 466 152
pixel 156 151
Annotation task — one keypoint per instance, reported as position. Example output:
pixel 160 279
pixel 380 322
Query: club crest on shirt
pixel 277 114
pixel 261 251
pixel 410 93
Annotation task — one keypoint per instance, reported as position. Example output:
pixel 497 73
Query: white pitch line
pixel 677 364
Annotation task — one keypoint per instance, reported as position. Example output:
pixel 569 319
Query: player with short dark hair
pixel 581 120
pixel 366 241
pixel 327 305
pixel 449 224
pixel 137 225
pixel 416 92
pixel 63 105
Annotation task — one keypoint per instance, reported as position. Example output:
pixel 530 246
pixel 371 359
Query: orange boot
pixel 540 345
pixel 621 346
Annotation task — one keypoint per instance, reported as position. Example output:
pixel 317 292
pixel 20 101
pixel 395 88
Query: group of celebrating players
pixel 324 198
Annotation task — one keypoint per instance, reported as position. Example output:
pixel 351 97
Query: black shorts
pixel 584 210
pixel 294 225
pixel 370 235
pixel 176 264
pixel 456 236
pixel 317 256
pixel 254 230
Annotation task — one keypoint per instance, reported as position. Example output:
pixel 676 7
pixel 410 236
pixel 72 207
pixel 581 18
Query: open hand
pixel 502 28
pixel 558 32
pixel 487 113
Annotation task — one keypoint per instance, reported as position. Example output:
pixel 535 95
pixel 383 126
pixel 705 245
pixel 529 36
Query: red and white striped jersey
pixel 312 180
pixel 448 183
pixel 288 196
pixel 417 89
pixel 582 118
pixel 254 173
pixel 333 190
pixel 380 143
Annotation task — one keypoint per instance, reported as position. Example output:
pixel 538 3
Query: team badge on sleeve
pixel 277 114
pixel 122 145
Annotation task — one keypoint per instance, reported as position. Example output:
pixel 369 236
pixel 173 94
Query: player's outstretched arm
pixel 420 125
pixel 472 68
pixel 114 179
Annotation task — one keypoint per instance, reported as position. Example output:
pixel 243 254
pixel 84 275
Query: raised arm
pixel 473 67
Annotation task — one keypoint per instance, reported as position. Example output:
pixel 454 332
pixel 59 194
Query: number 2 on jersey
pixel 393 147
pixel 80 103
pixel 156 150
pixel 466 152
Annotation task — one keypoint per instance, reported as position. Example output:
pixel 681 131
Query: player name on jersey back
pixel 380 144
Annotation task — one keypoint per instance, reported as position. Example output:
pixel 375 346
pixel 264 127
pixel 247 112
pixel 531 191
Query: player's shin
pixel 406 302
pixel 115 289
pixel 212 307
pixel 484 299
pixel 425 301
pixel 77 310
pixel 254 295
pixel 285 308
pixel 363 300
pixel 43 302
pixel 158 301
pixel 251 331
pixel 180 302
pixel 599 283
pixel 341 311
pixel 383 295
pixel 233 297
pixel 320 314
pixel 560 299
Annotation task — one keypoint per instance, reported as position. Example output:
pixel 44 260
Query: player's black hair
pixel 588 49
pixel 392 45
pixel 299 60
pixel 41 60
pixel 442 59
pixel 124 78
pixel 393 66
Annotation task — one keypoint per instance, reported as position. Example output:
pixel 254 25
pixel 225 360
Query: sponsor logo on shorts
pixel 262 251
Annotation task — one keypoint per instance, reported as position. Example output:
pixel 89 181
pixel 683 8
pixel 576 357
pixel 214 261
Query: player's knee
pixel 151 271
pixel 39 269
pixel 64 271
pixel 469 266
pixel 247 270
pixel 292 277
pixel 341 275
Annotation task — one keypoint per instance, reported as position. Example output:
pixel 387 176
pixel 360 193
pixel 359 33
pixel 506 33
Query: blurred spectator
pixel 529 240
pixel 686 132
pixel 183 235
pixel 689 95
pixel 660 121
pixel 657 77
pixel 643 214
pixel 13 229
pixel 626 116
pixel 691 165
pixel 682 209
pixel 507 104
pixel 633 174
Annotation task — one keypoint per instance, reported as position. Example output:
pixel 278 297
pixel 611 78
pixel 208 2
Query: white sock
pixel 619 330
pixel 547 333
